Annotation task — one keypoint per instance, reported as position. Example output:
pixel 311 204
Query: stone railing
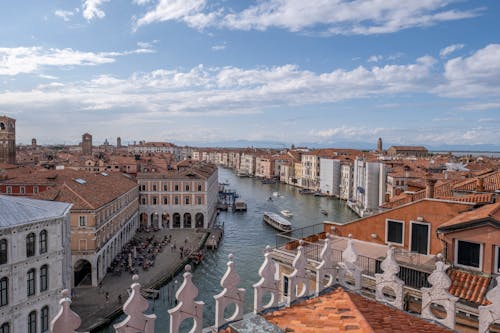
pixel 324 275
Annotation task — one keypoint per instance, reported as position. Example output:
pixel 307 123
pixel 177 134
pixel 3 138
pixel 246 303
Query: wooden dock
pixel 214 238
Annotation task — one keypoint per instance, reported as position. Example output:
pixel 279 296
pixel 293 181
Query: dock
pixel 214 238
pixel 240 206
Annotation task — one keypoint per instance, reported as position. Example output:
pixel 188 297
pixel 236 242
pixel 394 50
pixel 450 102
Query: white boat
pixel 276 194
pixel 277 222
pixel 286 213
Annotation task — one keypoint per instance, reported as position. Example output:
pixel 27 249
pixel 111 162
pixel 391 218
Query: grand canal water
pixel 246 237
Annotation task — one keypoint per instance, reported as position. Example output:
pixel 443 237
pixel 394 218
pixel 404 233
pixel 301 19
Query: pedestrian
pixel 120 298
pixel 107 297
pixel 100 288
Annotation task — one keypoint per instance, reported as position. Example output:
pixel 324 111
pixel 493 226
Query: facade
pixel 310 171
pixel 346 181
pixel 247 165
pixel 87 144
pixel 35 261
pixel 182 198
pixel 33 143
pixel 7 140
pixel 369 187
pixel 416 151
pixel 264 167
pixel 104 217
pixel 329 176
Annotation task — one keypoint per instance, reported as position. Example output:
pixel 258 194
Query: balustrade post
pixel 438 294
pixel 327 267
pixel 187 307
pixel 230 295
pixel 389 279
pixel 266 285
pixel 489 314
pixel 66 321
pixel 298 276
pixel 134 307
pixel 348 265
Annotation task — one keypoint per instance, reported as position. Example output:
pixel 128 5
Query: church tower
pixel 379 145
pixel 7 140
pixel 87 144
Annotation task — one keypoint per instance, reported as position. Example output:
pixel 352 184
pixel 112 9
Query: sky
pixel 202 71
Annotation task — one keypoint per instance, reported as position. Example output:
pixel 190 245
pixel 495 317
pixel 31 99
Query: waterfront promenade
pixel 97 309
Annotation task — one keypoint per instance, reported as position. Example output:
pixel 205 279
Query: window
pixel 199 187
pixel 35 189
pixel 5 328
pixel 420 235
pixel 186 200
pixel 468 254
pixel 22 190
pixel 143 201
pixel 44 278
pixel 165 200
pixel 4 291
pixel 154 187
pixel 83 220
pixel 9 189
pixel 199 200
pixel 187 188
pixel 154 200
pixel 165 188
pixel 30 245
pixel 176 200
pixel 44 319
pixel 43 241
pixel 32 322
pixel 176 188
pixel 394 231
pixel 3 251
pixel 30 288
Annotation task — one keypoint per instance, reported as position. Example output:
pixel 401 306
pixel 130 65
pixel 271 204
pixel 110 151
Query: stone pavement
pixel 90 302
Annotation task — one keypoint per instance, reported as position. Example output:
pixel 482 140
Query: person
pixel 107 297
pixel 100 288
pixel 120 298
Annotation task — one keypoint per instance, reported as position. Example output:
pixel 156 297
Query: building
pixel 380 147
pixel 329 176
pixel 182 198
pixel 310 170
pixel 247 165
pixel 416 151
pixel 33 143
pixel 87 144
pixel 104 217
pixel 7 140
pixel 35 262
pixel 264 166
pixel 346 181
pixel 118 142
pixel 369 187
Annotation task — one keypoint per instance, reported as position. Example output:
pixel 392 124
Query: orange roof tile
pixel 341 311
pixel 487 211
pixel 469 286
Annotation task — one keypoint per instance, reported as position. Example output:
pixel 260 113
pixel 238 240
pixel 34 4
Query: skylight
pixel 80 181
pixel 104 174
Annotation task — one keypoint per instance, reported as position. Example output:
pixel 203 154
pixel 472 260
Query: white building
pixel 369 187
pixel 329 176
pixel 310 171
pixel 35 262
pixel 247 165
pixel 346 181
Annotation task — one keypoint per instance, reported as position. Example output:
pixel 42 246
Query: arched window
pixel 3 251
pixel 32 322
pixel 186 200
pixel 44 278
pixel 5 328
pixel 30 244
pixel 43 241
pixel 187 188
pixel 4 291
pixel 199 187
pixel 44 319
pixel 30 279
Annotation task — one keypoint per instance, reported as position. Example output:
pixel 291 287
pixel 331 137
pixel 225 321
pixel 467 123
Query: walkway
pixel 90 302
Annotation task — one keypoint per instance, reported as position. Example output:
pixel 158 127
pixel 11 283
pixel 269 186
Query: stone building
pixel 35 262
pixel 87 144
pixel 7 140
pixel 181 198
pixel 416 151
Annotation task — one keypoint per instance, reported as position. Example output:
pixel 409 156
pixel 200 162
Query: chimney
pixel 480 185
pixel 429 186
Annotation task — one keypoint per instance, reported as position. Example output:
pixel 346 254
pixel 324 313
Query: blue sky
pixel 201 71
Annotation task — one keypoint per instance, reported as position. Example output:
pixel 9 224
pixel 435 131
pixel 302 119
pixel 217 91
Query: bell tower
pixel 7 140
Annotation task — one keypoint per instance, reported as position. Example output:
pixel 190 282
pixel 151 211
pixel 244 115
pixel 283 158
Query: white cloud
pixel 92 10
pixel 141 2
pixel 219 47
pixel 189 11
pixel 481 106
pixel 473 76
pixel 332 17
pixel 22 60
pixel 450 49
pixel 66 15
pixel 375 58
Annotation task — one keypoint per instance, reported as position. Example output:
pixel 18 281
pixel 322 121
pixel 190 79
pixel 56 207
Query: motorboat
pixel 324 212
pixel 275 194
pixel 277 222
pixel 286 213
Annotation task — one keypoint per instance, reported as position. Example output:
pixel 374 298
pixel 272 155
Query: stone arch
pixel 199 220
pixel 165 220
pixel 144 219
pixel 176 219
pixel 187 220
pixel 98 267
pixel 82 272
pixel 155 220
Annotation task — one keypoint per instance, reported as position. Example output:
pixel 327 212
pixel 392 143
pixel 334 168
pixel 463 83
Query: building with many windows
pixel 35 262
pixel 7 140
pixel 182 198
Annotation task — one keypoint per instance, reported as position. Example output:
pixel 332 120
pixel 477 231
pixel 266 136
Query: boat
pixel 268 181
pixel 324 212
pixel 286 213
pixel 240 206
pixel 150 293
pixel 306 191
pixel 277 222
pixel 319 194
pixel 196 257
pixel 275 194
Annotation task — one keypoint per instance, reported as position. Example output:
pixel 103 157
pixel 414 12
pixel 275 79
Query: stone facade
pixel 87 144
pixel 7 140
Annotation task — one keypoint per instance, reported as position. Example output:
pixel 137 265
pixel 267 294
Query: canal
pixel 246 237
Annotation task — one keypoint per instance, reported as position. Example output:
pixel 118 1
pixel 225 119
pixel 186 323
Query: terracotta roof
pixel 491 211
pixel 342 311
pixel 469 286
pixel 476 198
pixel 415 148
